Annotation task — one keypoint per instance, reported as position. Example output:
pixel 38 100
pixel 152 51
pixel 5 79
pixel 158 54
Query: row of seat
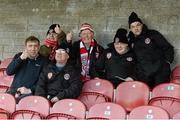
pixel 36 107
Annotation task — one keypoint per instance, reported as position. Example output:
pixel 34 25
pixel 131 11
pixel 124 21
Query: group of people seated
pixel 58 68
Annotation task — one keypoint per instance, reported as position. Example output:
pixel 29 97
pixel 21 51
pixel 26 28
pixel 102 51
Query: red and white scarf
pixel 53 44
pixel 85 60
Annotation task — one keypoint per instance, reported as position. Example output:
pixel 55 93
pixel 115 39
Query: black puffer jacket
pixel 63 84
pixel 152 50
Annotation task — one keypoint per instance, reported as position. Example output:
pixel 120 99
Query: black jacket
pixel 116 66
pixel 152 50
pixel 26 72
pixel 63 84
pixel 76 57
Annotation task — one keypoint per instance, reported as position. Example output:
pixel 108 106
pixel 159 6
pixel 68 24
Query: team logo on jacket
pixel 129 59
pixel 147 40
pixel 66 76
pixel 109 55
pixel 50 74
pixel 97 54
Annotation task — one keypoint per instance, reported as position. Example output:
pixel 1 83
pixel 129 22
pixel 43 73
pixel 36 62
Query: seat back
pixel 60 116
pixel 132 94
pixel 4 65
pixel 99 86
pixel 70 107
pixel 176 116
pixel 91 98
pixel 177 81
pixel 148 113
pixel 175 72
pixel 107 110
pixel 35 103
pixel 3 89
pixel 166 90
pixel 171 105
pixel 4 115
pixel 7 102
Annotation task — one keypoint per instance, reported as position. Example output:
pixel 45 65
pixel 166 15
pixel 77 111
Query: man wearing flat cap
pixel 59 80
pixel 154 53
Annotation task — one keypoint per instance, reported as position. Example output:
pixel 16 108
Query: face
pixel 136 28
pixel 86 36
pixel 52 35
pixel 120 47
pixel 62 56
pixel 32 48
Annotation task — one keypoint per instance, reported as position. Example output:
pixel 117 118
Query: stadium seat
pixel 175 72
pixel 4 65
pixel 7 102
pixel 107 110
pixel 60 116
pixel 3 89
pixel 68 108
pixel 177 81
pixel 30 107
pixel 171 105
pixel 6 80
pixel 132 94
pixel 92 98
pixel 148 113
pixel 4 115
pixel 166 90
pixel 99 86
pixel 176 116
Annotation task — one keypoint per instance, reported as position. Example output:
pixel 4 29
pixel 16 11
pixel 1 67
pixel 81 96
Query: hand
pixel 24 90
pixel 54 99
pixel 129 79
pixel 57 29
pixel 69 37
pixel 24 55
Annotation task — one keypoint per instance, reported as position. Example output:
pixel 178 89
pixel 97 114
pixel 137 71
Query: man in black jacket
pixel 59 79
pixel 154 53
pixel 118 61
pixel 26 66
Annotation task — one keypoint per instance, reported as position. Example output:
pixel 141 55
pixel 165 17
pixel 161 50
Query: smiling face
pixel 136 28
pixel 61 56
pixel 86 36
pixel 120 47
pixel 32 48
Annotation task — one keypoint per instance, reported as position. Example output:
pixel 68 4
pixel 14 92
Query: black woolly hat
pixel 134 18
pixel 121 36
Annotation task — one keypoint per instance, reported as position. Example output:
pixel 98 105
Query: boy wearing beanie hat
pixel 117 61
pixel 86 51
pixel 154 53
pixel 55 37
pixel 59 80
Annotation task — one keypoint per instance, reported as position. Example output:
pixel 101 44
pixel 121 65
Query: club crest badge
pixel 108 55
pixel 50 74
pixel 66 76
pixel 147 40
pixel 129 59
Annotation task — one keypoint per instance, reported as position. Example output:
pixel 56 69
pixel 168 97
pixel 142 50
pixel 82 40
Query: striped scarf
pixel 53 44
pixel 85 60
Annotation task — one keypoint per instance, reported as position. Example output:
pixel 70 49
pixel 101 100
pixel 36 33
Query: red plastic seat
pixel 148 113
pixel 166 90
pixel 70 108
pixel 107 110
pixel 175 72
pixel 4 115
pixel 92 98
pixel 99 86
pixel 176 116
pixel 60 116
pixel 177 81
pixel 132 94
pixel 171 105
pixel 3 89
pixel 32 107
pixel 4 65
pixel 7 102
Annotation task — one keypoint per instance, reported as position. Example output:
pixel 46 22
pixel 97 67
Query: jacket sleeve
pixel 163 44
pixel 15 65
pixel 41 88
pixel 74 90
